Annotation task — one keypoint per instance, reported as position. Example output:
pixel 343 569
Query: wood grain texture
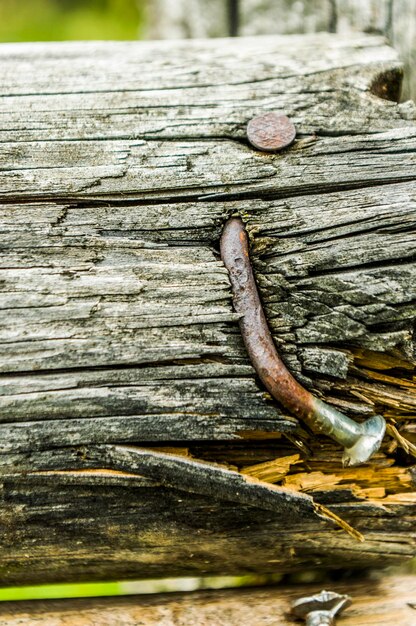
pixel 120 164
pixel 396 19
pixel 386 602
pixel 82 522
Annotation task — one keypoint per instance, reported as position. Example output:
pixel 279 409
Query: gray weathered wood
pixel 207 18
pixel 120 164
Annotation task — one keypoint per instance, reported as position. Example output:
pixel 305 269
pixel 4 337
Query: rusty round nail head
pixel 271 131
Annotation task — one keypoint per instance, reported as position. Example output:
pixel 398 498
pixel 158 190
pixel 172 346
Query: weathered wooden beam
pixel 396 19
pixel 388 601
pixel 120 164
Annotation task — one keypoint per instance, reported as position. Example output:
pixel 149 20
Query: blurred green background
pixel 54 20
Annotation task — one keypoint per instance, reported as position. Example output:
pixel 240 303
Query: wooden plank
pixel 121 361
pixel 146 515
pixel 168 20
pixel 204 18
pixel 384 602
pixel 178 136
pixel 403 35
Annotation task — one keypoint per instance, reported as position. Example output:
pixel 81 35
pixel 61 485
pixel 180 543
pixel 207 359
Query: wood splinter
pixel 360 441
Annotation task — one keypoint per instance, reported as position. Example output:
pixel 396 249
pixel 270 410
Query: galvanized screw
pixel 321 609
pixel 271 131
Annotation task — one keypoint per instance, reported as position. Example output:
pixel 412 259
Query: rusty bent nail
pixel 321 609
pixel 360 441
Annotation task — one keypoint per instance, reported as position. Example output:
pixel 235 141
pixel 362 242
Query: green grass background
pixel 56 20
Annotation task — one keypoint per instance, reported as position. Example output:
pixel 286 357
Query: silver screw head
pixel 321 608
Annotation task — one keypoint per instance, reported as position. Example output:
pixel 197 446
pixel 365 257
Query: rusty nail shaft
pixel 360 441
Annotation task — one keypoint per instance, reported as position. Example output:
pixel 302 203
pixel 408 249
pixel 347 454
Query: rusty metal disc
pixel 271 131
